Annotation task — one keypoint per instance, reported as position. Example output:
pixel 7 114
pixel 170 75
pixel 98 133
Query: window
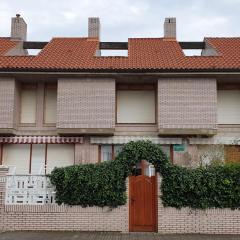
pixel 106 153
pixel 50 104
pixel 228 106
pixel 109 152
pixel 28 104
pixel 59 155
pixel 117 149
pixel 38 158
pixel 17 156
pixel 135 106
pixel 166 149
pixel 32 158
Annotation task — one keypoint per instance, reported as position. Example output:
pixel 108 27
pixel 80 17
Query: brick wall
pixel 7 94
pixel 65 218
pixel 187 104
pixel 186 220
pixel 86 104
pixel 3 172
pixel 61 218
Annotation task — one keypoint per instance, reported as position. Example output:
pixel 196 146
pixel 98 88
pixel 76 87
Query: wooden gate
pixel 142 209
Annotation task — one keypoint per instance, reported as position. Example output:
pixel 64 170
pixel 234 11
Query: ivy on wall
pixel 104 184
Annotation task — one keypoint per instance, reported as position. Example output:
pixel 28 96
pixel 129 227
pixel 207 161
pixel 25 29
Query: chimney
pixel 18 28
pixel 94 27
pixel 170 28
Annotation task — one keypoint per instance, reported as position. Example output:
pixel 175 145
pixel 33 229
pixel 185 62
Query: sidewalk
pixel 109 236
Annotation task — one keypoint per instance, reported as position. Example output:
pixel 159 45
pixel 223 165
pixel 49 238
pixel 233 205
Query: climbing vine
pixel 104 184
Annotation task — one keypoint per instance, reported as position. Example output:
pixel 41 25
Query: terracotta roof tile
pixel 158 54
pixel 6 44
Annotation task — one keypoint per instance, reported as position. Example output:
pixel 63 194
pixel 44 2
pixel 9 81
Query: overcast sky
pixel 121 19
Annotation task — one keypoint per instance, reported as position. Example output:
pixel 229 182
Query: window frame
pixel 30 154
pixel 100 151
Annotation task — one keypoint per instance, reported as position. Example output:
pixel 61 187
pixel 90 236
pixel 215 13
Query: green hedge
pixel 100 185
pixel 104 184
pixel 209 187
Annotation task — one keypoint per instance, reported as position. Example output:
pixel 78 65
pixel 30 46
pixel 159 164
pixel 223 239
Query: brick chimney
pixel 94 27
pixel 170 28
pixel 18 28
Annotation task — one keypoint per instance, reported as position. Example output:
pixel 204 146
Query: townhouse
pixel 72 104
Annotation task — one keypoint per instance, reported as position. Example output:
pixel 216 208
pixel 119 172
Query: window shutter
pixel 17 155
pixel 28 105
pixel 228 107
pixel 135 106
pixel 38 158
pixel 59 155
pixel 50 111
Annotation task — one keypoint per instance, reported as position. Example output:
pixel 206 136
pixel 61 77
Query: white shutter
pixel 135 106
pixel 38 158
pixel 28 105
pixel 228 107
pixel 59 155
pixel 50 105
pixel 17 155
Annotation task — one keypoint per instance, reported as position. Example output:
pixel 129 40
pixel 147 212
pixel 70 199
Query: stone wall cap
pixel 3 167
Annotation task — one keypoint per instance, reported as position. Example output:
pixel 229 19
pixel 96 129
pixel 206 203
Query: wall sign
pixel 178 147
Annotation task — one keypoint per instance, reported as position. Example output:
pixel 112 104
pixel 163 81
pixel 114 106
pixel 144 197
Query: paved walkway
pixel 108 236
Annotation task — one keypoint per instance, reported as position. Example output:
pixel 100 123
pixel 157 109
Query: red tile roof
pixel 6 44
pixel 144 54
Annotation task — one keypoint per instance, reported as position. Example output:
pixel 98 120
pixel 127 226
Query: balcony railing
pixel 29 189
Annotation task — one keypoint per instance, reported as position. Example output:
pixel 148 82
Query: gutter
pixel 119 73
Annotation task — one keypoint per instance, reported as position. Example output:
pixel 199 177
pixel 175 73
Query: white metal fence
pixel 29 189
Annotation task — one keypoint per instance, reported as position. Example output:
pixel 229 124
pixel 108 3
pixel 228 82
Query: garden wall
pixel 186 220
pixel 52 217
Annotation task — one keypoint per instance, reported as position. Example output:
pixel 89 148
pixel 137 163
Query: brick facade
pixel 86 104
pixel 187 106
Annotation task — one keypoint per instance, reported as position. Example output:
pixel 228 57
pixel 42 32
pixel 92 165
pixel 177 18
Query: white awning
pixel 40 139
pixel 216 140
pixel 126 139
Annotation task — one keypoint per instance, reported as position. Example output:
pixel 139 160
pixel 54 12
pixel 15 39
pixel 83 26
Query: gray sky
pixel 121 19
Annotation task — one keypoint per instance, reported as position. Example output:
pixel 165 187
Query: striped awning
pixel 40 139
pixel 216 140
pixel 126 139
